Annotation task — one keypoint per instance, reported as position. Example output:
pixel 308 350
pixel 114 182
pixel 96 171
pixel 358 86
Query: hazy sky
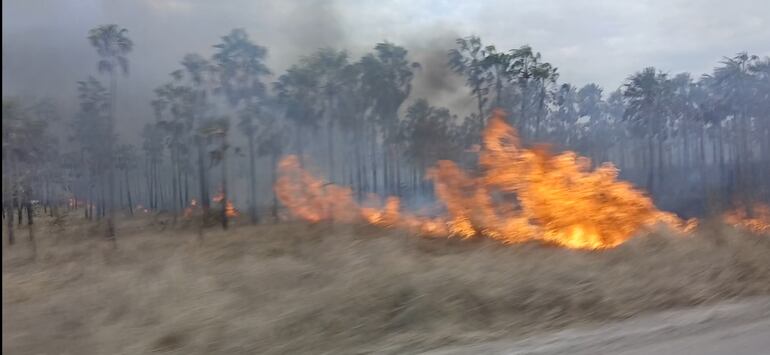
pixel 45 51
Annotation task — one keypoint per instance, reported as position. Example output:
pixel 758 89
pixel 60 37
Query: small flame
pixel 520 195
pixel 230 210
pixel 758 223
pixel 189 210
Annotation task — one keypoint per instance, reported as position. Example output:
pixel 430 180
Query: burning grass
pixel 323 288
pixel 558 199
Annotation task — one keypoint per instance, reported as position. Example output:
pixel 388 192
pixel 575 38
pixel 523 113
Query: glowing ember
pixel 520 195
pixel 758 223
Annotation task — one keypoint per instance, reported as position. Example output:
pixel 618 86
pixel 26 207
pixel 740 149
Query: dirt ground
pixel 294 288
pixel 738 327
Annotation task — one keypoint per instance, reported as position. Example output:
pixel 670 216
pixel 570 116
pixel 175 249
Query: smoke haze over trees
pixel 215 95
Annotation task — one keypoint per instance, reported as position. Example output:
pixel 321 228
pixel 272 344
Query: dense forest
pixel 697 145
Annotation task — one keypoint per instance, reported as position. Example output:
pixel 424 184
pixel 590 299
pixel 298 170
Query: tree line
pixel 696 144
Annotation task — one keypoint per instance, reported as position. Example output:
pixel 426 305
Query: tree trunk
pixel 330 147
pixel 650 164
pixel 480 102
pixel 385 170
pixel 28 206
pixel 540 109
pixel 273 178
pixel 128 193
pixel 498 90
pixel 373 160
pixel 252 179
pixel 203 181
pixel 300 145
pixel 20 209
pixel 174 185
pixel 110 154
pixel 721 157
pixel 661 163
pixel 10 221
pixel 224 182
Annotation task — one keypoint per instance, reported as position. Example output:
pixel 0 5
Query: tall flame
pixel 520 195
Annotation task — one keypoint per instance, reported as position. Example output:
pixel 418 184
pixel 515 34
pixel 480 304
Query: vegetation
pixel 358 119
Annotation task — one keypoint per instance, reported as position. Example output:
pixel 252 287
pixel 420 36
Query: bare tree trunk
pixel 540 109
pixel 480 102
pixel 128 193
pixel 252 179
pixel 186 198
pixel 661 162
pixel 273 176
pixel 398 176
pixel 650 164
pixel 20 209
pixel 385 170
pixel 203 181
pixel 10 221
pixel 330 147
pixel 120 194
pixel 110 154
pixel 32 241
pixel 721 161
pixel 373 160
pixel 174 185
pixel 28 206
pixel 224 182
pixel 300 145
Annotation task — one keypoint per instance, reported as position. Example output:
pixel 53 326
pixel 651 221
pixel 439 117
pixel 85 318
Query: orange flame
pixel 520 195
pixel 759 223
pixel 230 210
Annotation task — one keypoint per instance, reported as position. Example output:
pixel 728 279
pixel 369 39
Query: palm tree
pixel 544 75
pixel 387 81
pixel 427 134
pixel 296 91
pixel 470 60
pixel 92 130
pixel 497 65
pixel 523 61
pixel 331 69
pixel 272 132
pixel 732 85
pixel 112 44
pixel 241 68
pixel 566 115
pixel 196 81
pixel 646 92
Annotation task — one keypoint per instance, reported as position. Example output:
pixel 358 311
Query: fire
pixel 189 210
pixel 759 223
pixel 194 206
pixel 519 195
pixel 230 210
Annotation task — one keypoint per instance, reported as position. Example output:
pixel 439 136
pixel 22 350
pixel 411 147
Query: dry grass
pixel 294 288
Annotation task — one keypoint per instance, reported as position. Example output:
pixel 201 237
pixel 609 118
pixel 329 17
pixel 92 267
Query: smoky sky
pixel 45 51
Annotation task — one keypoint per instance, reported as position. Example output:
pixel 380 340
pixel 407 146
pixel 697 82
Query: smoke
pixel 435 80
pixel 45 51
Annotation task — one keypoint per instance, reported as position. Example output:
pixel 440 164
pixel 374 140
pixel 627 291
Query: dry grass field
pixel 294 288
